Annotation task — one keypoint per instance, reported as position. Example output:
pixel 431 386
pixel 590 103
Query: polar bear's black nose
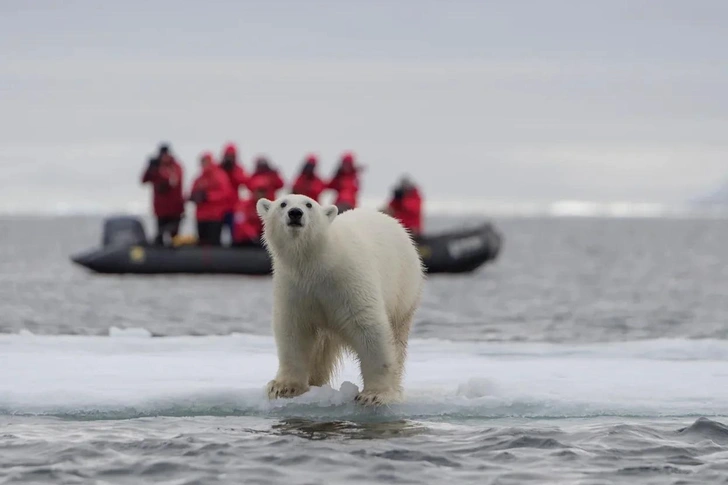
pixel 295 214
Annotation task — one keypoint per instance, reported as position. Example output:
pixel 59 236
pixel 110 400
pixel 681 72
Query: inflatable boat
pixel 125 250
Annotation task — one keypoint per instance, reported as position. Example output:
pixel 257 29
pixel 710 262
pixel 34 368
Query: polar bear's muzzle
pixel 295 217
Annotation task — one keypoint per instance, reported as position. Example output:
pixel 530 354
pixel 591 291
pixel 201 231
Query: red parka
pixel 234 171
pixel 346 186
pixel 247 225
pixel 219 196
pixel 308 183
pixel 408 210
pixel 167 180
pixel 270 179
pixel 346 182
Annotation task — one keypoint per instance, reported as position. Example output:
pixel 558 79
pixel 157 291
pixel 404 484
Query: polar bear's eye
pixel 283 204
pixel 309 205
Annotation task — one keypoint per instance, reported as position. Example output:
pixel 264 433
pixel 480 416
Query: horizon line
pixel 439 207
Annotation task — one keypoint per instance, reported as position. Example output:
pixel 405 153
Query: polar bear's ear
pixel 331 211
pixel 262 206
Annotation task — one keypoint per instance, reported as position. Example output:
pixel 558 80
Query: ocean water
pixel 594 351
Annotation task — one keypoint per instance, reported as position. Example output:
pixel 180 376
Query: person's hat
pixel 230 150
pixel 311 159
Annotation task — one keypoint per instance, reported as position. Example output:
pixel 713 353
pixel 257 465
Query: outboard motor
pixel 123 231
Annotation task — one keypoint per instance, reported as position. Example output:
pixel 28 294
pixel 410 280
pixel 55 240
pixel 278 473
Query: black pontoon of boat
pixel 126 250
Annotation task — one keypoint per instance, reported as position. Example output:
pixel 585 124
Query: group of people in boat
pixel 216 193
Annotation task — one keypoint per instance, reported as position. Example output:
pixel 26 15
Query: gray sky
pixel 527 101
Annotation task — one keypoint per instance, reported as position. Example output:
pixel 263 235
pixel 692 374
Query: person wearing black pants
pixel 167 226
pixel 165 175
pixel 209 232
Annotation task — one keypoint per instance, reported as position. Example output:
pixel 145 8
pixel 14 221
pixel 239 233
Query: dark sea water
pixel 594 351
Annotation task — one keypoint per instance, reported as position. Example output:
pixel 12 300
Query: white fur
pixel 342 281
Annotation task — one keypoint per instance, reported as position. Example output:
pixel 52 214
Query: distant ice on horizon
pixel 467 206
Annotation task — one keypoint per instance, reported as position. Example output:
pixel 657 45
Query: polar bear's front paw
pixel 377 398
pixel 285 389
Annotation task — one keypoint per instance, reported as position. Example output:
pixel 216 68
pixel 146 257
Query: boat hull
pixel 452 252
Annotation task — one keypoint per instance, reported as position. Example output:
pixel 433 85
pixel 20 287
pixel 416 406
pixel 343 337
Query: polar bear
pixel 349 281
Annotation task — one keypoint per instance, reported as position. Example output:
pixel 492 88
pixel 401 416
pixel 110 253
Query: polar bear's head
pixel 294 220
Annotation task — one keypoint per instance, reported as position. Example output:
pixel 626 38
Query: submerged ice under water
pixel 593 352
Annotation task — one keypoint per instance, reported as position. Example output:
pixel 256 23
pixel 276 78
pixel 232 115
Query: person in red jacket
pixel 346 183
pixel 213 194
pixel 234 170
pixel 406 206
pixel 165 175
pixel 308 183
pixel 267 176
pixel 247 226
pixel 238 178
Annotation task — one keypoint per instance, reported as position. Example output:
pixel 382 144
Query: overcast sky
pixel 511 100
